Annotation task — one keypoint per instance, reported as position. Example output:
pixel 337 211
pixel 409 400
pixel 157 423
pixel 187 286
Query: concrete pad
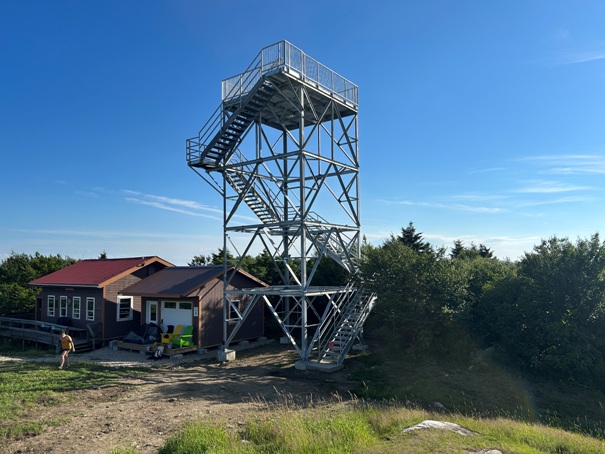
pixel 321 367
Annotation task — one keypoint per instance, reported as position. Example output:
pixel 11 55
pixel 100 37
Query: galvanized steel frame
pixel 299 159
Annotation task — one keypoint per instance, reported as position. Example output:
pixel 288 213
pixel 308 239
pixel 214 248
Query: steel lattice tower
pixel 282 150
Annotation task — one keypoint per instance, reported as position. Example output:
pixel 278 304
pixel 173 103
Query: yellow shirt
pixel 66 343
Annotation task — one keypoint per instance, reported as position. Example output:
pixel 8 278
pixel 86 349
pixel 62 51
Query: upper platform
pixel 283 57
pixel 277 87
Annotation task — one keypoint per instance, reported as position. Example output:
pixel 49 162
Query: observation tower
pixel 282 150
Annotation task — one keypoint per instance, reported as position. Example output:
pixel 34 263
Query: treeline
pixel 16 296
pixel 545 313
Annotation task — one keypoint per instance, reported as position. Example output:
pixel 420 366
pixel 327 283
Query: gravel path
pixel 128 358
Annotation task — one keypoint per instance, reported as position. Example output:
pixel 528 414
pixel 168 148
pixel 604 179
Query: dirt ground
pixel 145 412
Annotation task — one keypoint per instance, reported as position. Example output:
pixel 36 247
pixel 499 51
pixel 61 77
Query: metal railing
pixel 278 56
pixel 283 55
pixel 42 332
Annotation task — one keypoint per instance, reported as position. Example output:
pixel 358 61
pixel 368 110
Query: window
pixel 185 305
pixel 50 311
pixel 124 308
pixel 62 306
pixel 231 312
pixel 169 304
pixel 90 308
pixel 75 308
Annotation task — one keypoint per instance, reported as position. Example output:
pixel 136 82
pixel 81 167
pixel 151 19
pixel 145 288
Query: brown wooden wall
pixel 212 313
pixel 112 328
pixel 208 325
pixel 70 292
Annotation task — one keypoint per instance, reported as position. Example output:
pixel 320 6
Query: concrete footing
pixel 225 355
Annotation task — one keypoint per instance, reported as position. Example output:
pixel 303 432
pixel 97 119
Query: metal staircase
pixel 346 328
pixel 290 105
pixel 246 189
pixel 232 131
pixel 336 249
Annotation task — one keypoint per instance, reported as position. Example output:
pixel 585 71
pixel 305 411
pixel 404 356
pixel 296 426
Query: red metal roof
pixel 96 272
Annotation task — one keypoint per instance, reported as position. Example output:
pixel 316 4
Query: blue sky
pixel 479 120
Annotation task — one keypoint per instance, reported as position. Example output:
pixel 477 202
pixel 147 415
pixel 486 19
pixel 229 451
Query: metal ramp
pixel 282 149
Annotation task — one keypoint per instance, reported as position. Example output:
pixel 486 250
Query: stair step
pixel 329 360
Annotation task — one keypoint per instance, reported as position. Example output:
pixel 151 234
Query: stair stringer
pixel 347 328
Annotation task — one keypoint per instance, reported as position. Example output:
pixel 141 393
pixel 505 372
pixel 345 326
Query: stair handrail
pixel 365 301
pixel 330 314
pixel 239 158
pixel 246 81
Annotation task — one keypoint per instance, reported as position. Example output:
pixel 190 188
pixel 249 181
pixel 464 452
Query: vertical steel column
pixel 303 226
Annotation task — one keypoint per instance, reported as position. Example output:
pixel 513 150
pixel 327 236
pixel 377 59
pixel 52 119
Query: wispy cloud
pixel 580 57
pixel 106 234
pixel 569 164
pixel 476 197
pixel 560 200
pixel 549 187
pixel 486 170
pixel 452 206
pixel 187 207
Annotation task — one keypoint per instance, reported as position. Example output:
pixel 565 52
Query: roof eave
pixel 147 261
pixel 65 285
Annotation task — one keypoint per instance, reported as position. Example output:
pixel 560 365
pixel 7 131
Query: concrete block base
pixel 321 367
pixel 225 355
pixel 284 340
pixel 360 347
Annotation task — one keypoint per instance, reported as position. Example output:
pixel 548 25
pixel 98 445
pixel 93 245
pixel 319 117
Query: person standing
pixel 67 345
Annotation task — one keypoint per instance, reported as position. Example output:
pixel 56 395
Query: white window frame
pixel 231 314
pixel 63 306
pixel 90 313
pixel 124 300
pixel 76 307
pixel 50 308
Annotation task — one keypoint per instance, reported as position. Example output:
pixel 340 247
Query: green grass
pixel 373 429
pixel 507 411
pixel 25 386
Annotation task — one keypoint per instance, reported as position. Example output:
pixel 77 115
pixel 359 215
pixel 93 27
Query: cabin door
pixel 152 312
